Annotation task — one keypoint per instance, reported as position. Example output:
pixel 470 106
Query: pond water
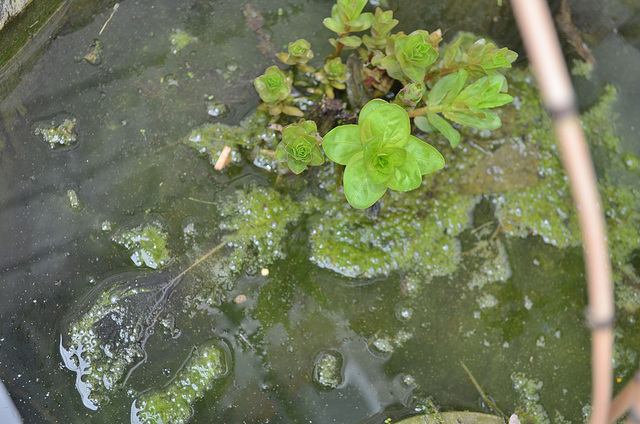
pixel 298 333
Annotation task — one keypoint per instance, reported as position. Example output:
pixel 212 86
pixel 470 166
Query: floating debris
pixel 58 135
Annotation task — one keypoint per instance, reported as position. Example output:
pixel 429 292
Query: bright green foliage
pixel 470 106
pixel 477 57
pixel 380 153
pixel 274 88
pixel 300 146
pixel 333 75
pixel 411 95
pixel 410 56
pixel 298 54
pixel 381 27
pixel 346 15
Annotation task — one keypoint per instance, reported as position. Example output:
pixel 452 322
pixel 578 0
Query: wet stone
pixel 327 370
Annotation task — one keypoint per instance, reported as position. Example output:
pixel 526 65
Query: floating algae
pixel 109 333
pixel 172 404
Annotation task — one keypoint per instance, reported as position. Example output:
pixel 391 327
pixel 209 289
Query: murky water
pixel 157 68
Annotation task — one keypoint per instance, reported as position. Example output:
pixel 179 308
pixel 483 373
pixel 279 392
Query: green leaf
pixel 296 166
pixel 366 109
pixel 447 88
pixel 389 121
pixel 359 190
pixel 427 157
pixel 281 152
pixel 424 125
pixel 334 25
pixel 342 143
pixel 405 177
pixel 362 22
pixel 352 41
pixel 482 119
pixel 392 66
pixel 316 156
pixel 445 128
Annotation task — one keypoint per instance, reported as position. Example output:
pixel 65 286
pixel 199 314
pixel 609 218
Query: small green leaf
pixel 389 121
pixel 351 41
pixel 482 119
pixel 362 22
pixel 424 125
pixel 445 128
pixel 427 157
pixel 334 25
pixel 405 177
pixel 342 143
pixel 359 190
pixel 296 166
pixel 447 88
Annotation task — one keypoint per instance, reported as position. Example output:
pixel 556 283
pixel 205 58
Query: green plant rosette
pixel 380 153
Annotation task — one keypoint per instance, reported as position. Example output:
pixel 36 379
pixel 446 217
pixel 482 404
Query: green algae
pixel 179 39
pixel 529 410
pixel 58 135
pixel 209 139
pixel 147 244
pixel 207 364
pixel 106 335
pixel 258 217
pixel 327 372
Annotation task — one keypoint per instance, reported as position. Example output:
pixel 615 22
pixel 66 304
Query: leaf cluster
pixel 379 153
pixel 441 87
pixel 300 146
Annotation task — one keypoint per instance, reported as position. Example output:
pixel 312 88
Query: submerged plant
pixel 300 146
pixel 379 153
pixel 274 88
pixel 298 54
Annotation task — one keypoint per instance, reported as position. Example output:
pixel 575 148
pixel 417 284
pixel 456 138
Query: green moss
pixel 15 34
pixel 411 231
pixel 147 244
pixel 173 403
pixel 58 135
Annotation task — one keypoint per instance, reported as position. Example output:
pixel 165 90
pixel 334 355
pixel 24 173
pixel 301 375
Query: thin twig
pixel 223 159
pixel 115 7
pixel 484 396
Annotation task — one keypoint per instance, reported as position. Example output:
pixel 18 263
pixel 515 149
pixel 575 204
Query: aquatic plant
pixel 439 91
pixel 380 153
pixel 300 146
